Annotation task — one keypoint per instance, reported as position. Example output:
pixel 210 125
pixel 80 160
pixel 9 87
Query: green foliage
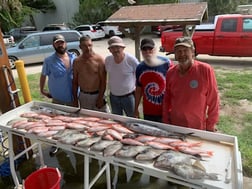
pixel 224 6
pixel 235 86
pixel 42 5
pixel 13 12
pixel 227 125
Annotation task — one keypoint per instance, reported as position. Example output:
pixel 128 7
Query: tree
pixel 92 11
pixel 14 12
pixel 10 12
pixel 216 7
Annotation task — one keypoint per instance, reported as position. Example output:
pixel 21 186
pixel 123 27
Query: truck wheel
pixel 111 33
pixel 12 60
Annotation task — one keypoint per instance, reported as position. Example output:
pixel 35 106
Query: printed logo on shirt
pixel 194 84
pixel 154 86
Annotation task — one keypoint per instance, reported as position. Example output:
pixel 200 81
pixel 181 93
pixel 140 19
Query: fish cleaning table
pixel 226 161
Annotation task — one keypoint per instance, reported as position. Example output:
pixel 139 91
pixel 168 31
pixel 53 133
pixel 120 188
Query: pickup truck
pixel 110 30
pixel 229 35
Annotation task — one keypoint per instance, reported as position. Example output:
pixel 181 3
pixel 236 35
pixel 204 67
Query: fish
pixel 77 126
pixel 80 121
pixel 178 144
pixel 196 151
pixel 154 131
pixel 54 123
pixel 120 128
pixel 166 140
pixel 95 124
pixel 29 115
pixel 115 134
pixel 52 111
pixel 48 133
pixel 101 145
pixel 88 142
pixel 130 151
pixel 107 137
pixel 131 141
pixel 160 146
pixel 25 124
pixel 62 118
pixel 73 138
pixel 37 130
pixel 97 128
pixel 42 117
pixel 108 121
pixel 168 159
pixel 31 125
pixel 94 119
pixel 149 155
pixel 112 149
pixel 64 133
pixel 15 121
pixel 56 128
pixel 192 172
pixel 19 123
pixel 145 138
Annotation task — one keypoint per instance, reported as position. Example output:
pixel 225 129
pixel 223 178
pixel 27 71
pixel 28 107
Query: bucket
pixel 45 178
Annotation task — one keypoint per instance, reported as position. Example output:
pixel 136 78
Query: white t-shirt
pixel 121 77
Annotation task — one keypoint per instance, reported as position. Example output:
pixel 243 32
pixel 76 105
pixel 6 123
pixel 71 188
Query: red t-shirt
pixel 192 100
pixel 152 83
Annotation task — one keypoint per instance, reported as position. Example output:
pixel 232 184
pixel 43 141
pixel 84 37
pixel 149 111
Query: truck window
pixel 229 25
pixel 247 25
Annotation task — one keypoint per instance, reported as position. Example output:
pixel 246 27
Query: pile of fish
pixel 144 143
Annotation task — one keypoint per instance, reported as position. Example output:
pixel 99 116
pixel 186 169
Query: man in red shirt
pixel 191 98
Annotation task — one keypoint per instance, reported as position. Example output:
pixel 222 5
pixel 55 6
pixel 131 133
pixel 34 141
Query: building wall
pixel 65 10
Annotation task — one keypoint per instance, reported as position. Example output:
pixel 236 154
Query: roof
pixel 175 13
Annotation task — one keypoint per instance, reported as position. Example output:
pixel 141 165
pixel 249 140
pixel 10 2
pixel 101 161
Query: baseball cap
pixel 58 37
pixel 184 41
pixel 115 41
pixel 147 42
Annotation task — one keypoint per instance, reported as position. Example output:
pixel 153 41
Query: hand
pixel 136 114
pixel 48 95
pixel 100 103
pixel 76 103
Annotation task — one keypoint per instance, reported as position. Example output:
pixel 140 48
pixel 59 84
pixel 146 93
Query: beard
pixel 153 61
pixel 60 50
pixel 184 62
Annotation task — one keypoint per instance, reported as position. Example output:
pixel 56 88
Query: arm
pixel 166 105
pixel 75 84
pixel 42 86
pixel 103 79
pixel 138 97
pixel 212 102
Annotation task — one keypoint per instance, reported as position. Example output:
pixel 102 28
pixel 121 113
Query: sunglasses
pixel 146 49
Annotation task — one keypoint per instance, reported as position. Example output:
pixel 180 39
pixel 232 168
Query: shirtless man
pixel 90 77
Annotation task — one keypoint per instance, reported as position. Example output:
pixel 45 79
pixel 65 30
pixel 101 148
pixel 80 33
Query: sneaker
pixel 53 150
